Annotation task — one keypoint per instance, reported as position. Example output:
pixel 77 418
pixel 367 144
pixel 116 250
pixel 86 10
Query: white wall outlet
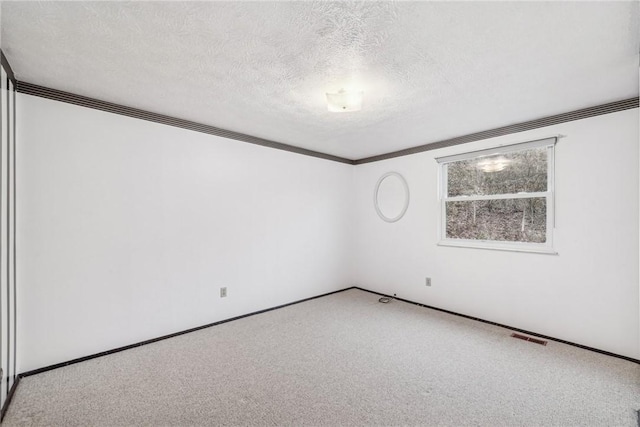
pixel 223 292
pixel 427 281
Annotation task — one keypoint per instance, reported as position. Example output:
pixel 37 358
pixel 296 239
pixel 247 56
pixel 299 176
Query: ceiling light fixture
pixel 343 101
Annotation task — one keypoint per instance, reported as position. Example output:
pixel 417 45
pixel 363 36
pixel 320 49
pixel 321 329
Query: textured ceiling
pixel 429 70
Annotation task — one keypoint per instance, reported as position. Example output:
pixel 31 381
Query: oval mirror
pixel 391 196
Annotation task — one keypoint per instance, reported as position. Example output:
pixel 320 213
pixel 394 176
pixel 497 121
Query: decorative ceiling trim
pixel 83 101
pixel 96 104
pixel 7 68
pixel 583 113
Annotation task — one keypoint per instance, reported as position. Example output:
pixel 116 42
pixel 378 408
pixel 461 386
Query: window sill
pixel 498 246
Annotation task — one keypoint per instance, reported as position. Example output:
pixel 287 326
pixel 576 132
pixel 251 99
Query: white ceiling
pixel 429 70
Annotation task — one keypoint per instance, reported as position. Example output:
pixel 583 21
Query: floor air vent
pixel 525 338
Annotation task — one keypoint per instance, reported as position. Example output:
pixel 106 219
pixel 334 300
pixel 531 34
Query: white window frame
pixel 549 195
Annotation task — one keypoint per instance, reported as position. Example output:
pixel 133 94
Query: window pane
pixel 507 220
pixel 519 171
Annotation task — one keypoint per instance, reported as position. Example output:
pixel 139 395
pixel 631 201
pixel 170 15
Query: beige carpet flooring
pixel 339 360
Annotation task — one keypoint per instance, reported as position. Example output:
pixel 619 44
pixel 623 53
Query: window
pixel 501 198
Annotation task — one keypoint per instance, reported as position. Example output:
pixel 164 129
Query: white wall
pixel 588 294
pixel 127 229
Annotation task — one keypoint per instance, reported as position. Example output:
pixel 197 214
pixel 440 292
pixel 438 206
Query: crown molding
pixel 96 104
pixel 7 67
pixel 611 107
pixel 83 101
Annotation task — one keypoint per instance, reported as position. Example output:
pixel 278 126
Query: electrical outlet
pixel 428 281
pixel 223 292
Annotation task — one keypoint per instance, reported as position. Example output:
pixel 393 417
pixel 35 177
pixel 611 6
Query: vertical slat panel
pixel 14 303
pixel 3 237
pixel 8 287
pixel 11 237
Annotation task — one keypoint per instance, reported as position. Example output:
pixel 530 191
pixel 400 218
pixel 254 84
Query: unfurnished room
pixel 319 213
